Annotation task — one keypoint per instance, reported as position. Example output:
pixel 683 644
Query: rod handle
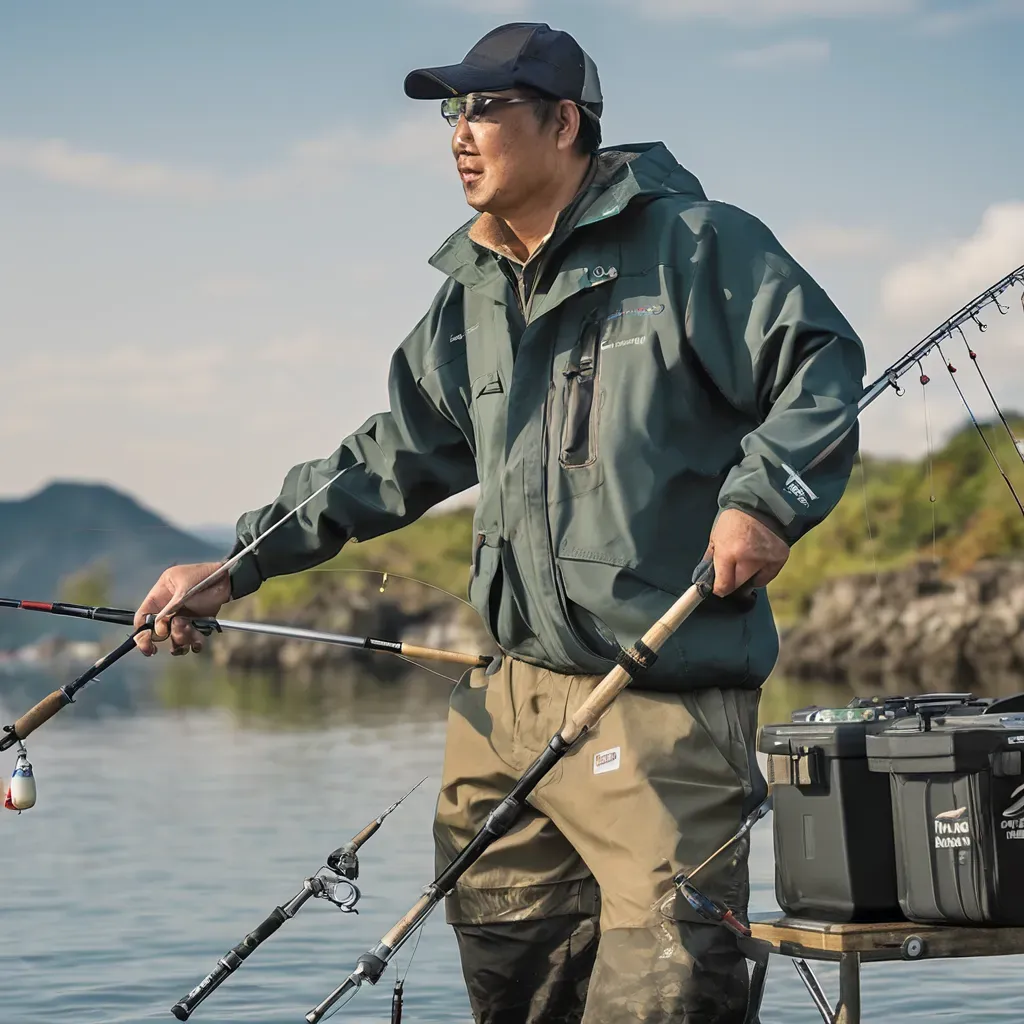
pixel 455 657
pixel 33 718
pixel 409 921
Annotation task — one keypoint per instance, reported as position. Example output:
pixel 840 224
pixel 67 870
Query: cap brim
pixel 454 80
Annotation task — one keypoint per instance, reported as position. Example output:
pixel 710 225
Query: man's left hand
pixel 746 552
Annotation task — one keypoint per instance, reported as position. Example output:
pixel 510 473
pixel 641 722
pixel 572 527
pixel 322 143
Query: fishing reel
pixel 20 794
pixel 342 892
pixel 710 909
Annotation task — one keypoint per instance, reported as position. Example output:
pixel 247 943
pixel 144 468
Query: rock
pixel 913 625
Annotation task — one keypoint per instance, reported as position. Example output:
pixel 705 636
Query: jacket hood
pixel 623 173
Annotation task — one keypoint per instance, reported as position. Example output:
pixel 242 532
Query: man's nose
pixel 463 134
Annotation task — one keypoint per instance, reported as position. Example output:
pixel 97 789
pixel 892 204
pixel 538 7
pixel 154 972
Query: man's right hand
pixel 173 584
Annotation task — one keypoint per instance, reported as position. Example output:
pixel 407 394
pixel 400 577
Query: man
pixel 635 376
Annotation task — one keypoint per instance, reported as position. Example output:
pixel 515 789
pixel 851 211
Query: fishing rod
pixel 64 695
pixel 206 626
pixel 334 882
pixel 630 664
pixel 889 378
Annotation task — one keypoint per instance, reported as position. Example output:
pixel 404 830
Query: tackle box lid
pixel 842 732
pixel 925 743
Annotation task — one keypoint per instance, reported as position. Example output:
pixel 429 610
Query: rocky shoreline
pixel 914 626
pixel 910 628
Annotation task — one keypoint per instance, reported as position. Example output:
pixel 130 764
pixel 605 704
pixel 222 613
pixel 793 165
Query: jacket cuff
pixel 244 576
pixel 762 517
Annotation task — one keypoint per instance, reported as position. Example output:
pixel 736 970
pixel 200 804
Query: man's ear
pixel 568 124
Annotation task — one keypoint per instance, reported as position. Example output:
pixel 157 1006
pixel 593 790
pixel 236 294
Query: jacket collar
pixel 621 175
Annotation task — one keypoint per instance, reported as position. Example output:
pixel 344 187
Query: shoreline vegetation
pixel 916 577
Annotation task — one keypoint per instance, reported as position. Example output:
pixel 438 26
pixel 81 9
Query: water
pixel 175 814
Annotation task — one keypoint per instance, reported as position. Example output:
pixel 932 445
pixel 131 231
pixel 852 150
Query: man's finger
pixel 182 633
pixel 725 574
pixel 162 629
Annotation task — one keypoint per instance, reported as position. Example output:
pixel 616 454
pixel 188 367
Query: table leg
pixel 815 990
pixel 848 1010
pixel 756 991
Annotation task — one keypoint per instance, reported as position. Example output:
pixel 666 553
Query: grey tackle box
pixel 957 793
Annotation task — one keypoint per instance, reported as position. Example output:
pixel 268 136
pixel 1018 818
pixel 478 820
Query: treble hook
pixel 995 299
pixel 981 326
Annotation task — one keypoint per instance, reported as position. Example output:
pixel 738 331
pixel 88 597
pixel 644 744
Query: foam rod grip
pixel 42 712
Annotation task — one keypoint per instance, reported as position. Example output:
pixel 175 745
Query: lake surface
pixel 175 812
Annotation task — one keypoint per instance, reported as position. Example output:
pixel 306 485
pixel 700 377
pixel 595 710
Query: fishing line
pixel 432 671
pixel 928 441
pixel 1017 445
pixel 970 412
pixel 388 575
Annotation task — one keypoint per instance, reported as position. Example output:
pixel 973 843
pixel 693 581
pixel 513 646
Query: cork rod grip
pixel 42 712
pixel 588 714
pixel 402 928
pixel 365 834
pixel 455 657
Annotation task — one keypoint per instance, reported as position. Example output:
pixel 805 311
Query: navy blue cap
pixel 523 54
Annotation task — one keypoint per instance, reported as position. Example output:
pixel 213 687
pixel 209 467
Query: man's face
pixel 505 155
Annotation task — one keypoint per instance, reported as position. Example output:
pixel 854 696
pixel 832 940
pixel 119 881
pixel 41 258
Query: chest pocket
pixel 581 399
pixel 489 412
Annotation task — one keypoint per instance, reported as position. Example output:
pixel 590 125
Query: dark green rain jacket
pixel 668 360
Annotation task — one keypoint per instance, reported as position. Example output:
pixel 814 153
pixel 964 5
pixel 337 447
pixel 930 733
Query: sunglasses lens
pixel 452 108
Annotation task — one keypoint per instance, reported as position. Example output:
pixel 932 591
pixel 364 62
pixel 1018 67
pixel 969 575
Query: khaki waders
pixel 570 916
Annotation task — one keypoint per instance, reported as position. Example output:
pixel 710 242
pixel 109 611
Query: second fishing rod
pixel 64 695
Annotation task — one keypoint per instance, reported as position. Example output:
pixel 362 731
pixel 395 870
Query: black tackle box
pixel 835 856
pixel 957 789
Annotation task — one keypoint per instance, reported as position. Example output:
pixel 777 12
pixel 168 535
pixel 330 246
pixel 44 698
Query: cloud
pixel 58 161
pixel 823 241
pixel 978 12
pixel 320 163
pixel 938 282
pixel 790 53
pixel 779 10
pixel 202 429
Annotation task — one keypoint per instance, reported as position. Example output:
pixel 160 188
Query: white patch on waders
pixel 606 761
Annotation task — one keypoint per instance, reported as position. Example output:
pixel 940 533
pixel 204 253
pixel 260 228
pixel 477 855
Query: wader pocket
pixel 579 428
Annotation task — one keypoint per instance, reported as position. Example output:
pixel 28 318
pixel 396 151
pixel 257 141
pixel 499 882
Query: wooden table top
pixel 797 937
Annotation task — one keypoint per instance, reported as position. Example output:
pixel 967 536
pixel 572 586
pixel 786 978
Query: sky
pixel 215 219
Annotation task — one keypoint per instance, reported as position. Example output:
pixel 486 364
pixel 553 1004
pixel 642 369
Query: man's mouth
pixel 469 175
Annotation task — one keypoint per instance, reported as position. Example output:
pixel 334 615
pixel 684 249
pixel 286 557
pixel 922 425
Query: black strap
pixel 638 660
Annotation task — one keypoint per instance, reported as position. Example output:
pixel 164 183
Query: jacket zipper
pixel 578 446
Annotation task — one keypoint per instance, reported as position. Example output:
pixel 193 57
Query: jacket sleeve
pixel 395 467
pixel 783 354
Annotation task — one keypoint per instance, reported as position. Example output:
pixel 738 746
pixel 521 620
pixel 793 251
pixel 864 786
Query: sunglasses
pixel 475 106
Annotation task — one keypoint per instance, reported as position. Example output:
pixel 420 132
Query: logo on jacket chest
pixel 639 339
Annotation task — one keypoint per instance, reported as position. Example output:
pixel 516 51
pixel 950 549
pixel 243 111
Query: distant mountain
pixel 220 534
pixel 87 539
